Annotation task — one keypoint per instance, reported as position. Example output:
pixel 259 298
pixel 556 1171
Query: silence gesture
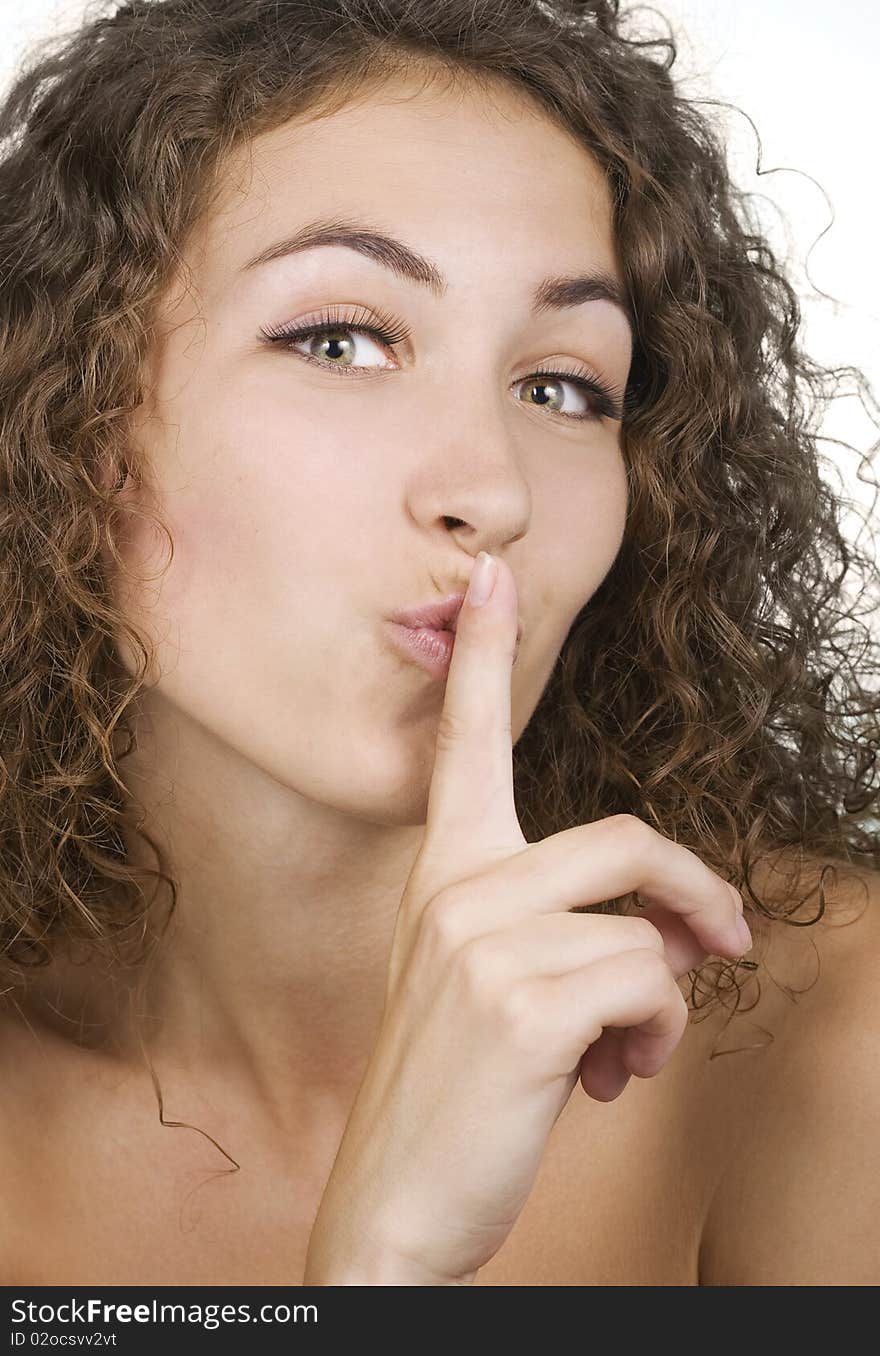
pixel 498 1000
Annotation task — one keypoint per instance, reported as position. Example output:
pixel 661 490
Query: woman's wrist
pixel 376 1266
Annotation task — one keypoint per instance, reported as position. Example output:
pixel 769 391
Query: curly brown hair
pixel 709 686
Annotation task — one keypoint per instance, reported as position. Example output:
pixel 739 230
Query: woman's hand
pixel 498 1000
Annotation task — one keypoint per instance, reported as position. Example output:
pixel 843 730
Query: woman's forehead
pixel 446 166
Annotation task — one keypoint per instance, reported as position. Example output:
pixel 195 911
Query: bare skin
pixel 285 751
pixel 285 756
pixel 638 1191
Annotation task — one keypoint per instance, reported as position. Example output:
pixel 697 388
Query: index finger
pixel 471 816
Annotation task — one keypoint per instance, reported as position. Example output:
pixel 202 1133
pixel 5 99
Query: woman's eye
pixel 346 348
pixel 549 392
pixel 340 347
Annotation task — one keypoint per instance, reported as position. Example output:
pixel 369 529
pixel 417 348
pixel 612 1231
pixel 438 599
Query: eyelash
pixel 389 332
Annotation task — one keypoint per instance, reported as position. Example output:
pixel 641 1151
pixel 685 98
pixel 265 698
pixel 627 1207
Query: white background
pixel 805 73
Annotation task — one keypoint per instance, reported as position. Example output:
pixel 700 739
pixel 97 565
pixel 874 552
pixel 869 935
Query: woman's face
pixel 308 503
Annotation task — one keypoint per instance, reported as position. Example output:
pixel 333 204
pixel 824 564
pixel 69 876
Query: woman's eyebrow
pixel 554 293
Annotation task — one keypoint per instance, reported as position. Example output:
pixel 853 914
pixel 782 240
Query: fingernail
pixel 482 580
pixel 743 933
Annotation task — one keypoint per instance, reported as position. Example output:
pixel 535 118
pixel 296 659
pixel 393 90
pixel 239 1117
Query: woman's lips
pixel 430 649
pixel 427 647
pixel 431 615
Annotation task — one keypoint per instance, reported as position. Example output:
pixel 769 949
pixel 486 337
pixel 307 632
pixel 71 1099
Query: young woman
pixel 354 933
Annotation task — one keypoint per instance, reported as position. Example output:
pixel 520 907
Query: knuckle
pixel 516 1014
pixel 482 962
pixel 644 934
pixel 634 832
pixel 646 1055
pixel 651 969
pixel 445 921
pixel 683 1009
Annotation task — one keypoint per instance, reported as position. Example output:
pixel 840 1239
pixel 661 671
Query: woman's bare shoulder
pixel 799 1200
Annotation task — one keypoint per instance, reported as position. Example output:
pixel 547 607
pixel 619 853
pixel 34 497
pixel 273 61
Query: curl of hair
pixel 709 687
